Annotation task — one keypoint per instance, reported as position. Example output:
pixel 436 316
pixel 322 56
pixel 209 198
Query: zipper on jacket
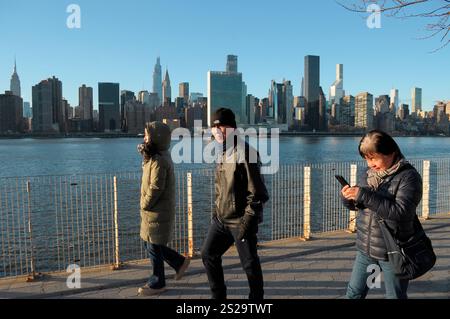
pixel 368 235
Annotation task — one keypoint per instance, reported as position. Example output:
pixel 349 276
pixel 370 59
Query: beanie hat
pixel 224 116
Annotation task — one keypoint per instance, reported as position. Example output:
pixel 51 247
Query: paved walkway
pixel 319 268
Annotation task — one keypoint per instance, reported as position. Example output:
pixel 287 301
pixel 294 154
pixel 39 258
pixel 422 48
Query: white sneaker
pixel 147 291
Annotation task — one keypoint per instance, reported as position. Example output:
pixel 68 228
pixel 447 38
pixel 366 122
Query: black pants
pixel 220 238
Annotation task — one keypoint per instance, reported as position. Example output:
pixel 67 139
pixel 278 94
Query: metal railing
pixel 50 222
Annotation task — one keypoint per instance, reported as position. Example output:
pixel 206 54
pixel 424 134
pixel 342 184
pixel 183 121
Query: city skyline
pixel 407 100
pixel 84 56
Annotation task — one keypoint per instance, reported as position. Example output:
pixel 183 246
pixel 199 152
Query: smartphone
pixel 342 180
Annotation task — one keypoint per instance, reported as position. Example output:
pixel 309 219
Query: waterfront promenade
pixel 318 268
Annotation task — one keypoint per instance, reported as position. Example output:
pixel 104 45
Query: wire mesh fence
pixel 328 212
pixel 283 216
pixel 439 186
pixel 15 240
pixel 50 222
pixel 202 205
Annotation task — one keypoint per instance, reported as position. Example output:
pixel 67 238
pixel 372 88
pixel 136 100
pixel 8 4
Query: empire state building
pixel 15 82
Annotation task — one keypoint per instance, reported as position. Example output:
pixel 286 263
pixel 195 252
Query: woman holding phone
pixel 391 189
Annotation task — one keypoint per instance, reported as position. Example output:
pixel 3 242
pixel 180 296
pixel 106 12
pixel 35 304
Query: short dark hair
pixel 377 141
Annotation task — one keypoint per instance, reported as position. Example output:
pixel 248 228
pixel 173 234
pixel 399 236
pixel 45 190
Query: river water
pixel 32 157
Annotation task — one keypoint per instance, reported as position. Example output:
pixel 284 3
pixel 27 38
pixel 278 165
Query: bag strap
pixel 389 239
pixel 403 168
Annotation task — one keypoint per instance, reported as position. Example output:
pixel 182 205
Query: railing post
pixel 117 264
pixel 352 221
pixel 306 203
pixel 190 219
pixel 426 190
pixel 32 274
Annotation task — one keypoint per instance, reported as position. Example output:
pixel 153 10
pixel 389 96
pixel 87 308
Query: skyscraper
pixel 281 100
pixel 136 114
pixel 225 89
pixel 86 102
pixel 153 101
pixel 345 117
pixel 299 101
pixel 416 95
pixel 232 63
pixel 302 88
pixel 275 100
pixel 184 91
pixel 125 96
pixel 384 118
pixel 108 107
pixel 27 110
pixel 337 88
pixel 403 111
pixel 157 80
pixel 288 97
pixel 244 118
pixel 394 100
pixel 69 110
pixel 195 96
pixel 179 105
pixel 323 115
pixel 440 113
pixel 144 97
pixel 49 115
pixel 312 91
pixel 250 109
pixel 166 89
pixel 15 82
pixel 364 111
pixel 348 111
pixel 335 111
pixel 194 112
pixel 11 112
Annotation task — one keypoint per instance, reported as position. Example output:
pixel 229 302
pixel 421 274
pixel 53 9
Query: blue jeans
pixel 357 288
pixel 220 238
pixel 158 254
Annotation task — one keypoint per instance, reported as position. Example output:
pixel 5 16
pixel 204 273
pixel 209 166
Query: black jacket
pixel 395 200
pixel 239 185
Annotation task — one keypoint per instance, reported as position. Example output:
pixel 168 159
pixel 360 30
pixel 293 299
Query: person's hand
pixel 244 227
pixel 350 193
pixel 141 148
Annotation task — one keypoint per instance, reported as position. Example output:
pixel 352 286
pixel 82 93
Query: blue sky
pixel 120 40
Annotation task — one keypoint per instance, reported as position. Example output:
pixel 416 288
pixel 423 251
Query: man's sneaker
pixel 182 269
pixel 147 291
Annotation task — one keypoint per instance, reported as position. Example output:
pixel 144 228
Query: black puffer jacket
pixel 395 200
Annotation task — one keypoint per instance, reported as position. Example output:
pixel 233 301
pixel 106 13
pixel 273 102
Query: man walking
pixel 240 194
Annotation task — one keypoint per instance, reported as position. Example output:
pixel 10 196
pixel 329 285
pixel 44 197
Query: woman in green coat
pixel 158 206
